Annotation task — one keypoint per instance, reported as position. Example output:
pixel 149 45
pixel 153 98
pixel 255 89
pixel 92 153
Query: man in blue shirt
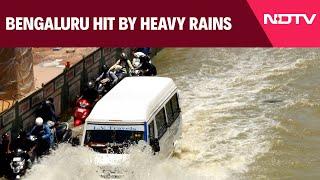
pixel 43 133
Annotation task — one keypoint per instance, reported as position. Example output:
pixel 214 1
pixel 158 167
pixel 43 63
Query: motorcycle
pixel 21 159
pixel 19 164
pixel 61 132
pixel 82 110
pixel 30 148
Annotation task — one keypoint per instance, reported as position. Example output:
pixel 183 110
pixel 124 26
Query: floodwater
pixel 247 114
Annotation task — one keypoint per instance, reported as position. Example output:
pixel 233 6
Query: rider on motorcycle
pixel 121 68
pixel 43 133
pixel 22 142
pixel 47 110
pixel 104 73
pixel 138 56
pixel 143 66
pixel 90 93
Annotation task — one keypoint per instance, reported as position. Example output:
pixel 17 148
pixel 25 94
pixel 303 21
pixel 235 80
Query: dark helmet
pixel 123 56
pixel 90 85
pixel 105 67
pixel 50 99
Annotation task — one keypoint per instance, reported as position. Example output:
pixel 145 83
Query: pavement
pixel 48 63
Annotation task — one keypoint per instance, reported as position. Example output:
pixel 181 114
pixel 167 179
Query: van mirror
pixel 154 143
pixel 75 141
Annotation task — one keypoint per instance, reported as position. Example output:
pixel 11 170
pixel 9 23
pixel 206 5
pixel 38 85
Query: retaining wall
pixel 63 89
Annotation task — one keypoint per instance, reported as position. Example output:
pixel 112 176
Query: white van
pixel 138 108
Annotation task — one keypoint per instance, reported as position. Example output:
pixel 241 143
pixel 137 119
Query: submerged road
pixel 247 114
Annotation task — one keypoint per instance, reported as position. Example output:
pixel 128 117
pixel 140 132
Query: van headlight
pixel 137 135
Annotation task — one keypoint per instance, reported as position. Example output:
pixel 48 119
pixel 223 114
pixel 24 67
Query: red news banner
pixel 117 23
pixel 203 23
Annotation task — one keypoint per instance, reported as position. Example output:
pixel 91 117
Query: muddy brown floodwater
pixel 247 114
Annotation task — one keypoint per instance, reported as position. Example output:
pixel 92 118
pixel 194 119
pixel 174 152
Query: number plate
pixel 16 159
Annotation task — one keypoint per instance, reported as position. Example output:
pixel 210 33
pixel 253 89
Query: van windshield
pixel 112 139
pixel 103 137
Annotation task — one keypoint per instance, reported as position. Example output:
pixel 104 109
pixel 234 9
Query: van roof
pixel 133 100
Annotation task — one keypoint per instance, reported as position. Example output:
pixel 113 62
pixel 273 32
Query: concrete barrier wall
pixel 64 89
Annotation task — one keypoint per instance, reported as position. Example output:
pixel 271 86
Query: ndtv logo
pixel 288 18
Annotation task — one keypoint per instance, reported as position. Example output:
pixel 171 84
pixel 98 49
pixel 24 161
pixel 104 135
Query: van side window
pixel 161 122
pixel 151 130
pixel 173 109
pixel 175 106
pixel 170 113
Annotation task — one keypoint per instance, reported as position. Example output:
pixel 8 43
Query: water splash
pixel 66 163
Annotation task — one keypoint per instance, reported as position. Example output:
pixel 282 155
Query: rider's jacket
pixel 43 132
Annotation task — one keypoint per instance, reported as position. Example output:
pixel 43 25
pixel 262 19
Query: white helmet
pixel 136 62
pixel 39 121
pixel 139 54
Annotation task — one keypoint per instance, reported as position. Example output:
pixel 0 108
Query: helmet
pixel 105 67
pixel 139 54
pixel 50 99
pixel 136 62
pixel 39 121
pixel 90 84
pixel 123 56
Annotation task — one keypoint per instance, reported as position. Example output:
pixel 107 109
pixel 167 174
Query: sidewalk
pixel 48 63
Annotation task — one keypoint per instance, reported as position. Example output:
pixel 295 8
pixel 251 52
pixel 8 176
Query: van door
pixel 151 131
pixel 174 118
pixel 162 134
pixel 153 141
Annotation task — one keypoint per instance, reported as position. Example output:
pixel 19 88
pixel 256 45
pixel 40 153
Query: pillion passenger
pixel 142 64
pixel 107 74
pixel 122 67
pixel 139 57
